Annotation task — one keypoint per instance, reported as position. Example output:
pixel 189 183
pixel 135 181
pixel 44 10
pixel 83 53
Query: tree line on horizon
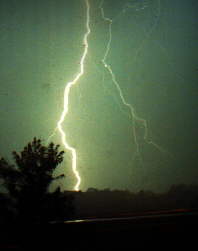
pixel 25 195
pixel 109 203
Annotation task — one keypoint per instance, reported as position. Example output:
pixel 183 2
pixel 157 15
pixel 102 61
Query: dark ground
pixel 162 230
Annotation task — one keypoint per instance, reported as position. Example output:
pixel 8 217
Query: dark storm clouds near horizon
pixel 154 57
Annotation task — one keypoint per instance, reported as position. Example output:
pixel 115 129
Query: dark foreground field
pixel 169 230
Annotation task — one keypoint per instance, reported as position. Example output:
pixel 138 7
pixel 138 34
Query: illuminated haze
pixel 152 55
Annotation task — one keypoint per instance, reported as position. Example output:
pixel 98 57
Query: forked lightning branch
pixel 135 119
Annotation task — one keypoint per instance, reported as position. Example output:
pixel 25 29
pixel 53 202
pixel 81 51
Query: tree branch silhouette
pixel 27 185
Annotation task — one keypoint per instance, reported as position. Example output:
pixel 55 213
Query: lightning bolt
pixel 136 120
pixel 133 116
pixel 67 90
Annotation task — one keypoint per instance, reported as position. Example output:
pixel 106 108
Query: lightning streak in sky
pixel 67 90
pixel 136 120
pixel 134 117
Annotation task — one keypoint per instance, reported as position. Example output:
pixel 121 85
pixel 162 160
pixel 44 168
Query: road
pixel 170 229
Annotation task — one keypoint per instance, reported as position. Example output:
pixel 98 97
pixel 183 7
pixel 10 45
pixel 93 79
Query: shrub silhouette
pixel 27 185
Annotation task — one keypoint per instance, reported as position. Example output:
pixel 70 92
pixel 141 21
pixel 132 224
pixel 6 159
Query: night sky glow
pixel 132 116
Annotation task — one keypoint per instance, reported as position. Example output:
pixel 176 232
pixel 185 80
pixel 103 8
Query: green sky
pixel 153 55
